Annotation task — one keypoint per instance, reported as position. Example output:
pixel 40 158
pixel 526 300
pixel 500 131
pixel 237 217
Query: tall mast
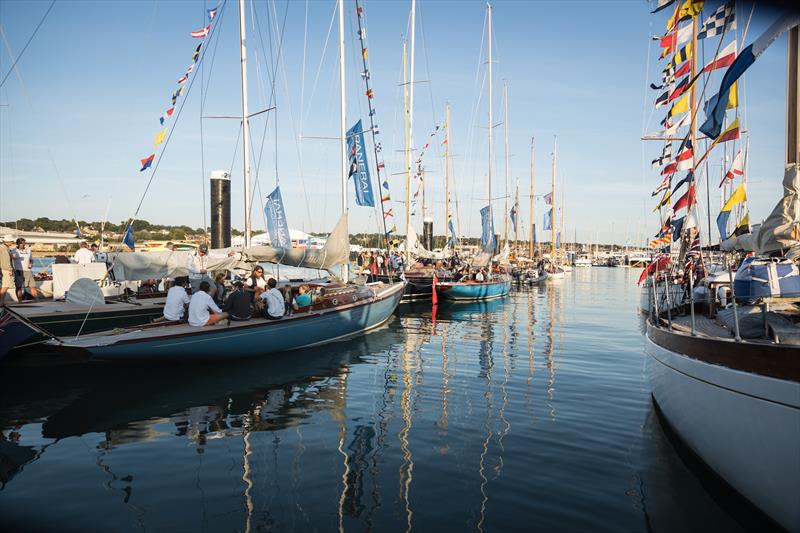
pixel 693 111
pixel 553 206
pixel 405 145
pixel 563 189
pixel 505 153
pixel 245 126
pixel 533 219
pixel 411 91
pixel 342 125
pixel 447 170
pixel 516 218
pixel 793 99
pixel 491 214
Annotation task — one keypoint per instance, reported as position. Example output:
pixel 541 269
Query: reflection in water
pixel 364 435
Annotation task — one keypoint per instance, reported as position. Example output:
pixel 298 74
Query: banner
pixel 359 169
pixel 548 220
pixel 453 238
pixel 276 220
pixel 487 230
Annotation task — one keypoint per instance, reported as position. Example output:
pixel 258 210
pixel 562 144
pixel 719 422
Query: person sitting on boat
pixel 219 285
pixel 274 304
pixel 303 298
pixel 177 301
pixel 256 282
pixel 197 265
pixel 479 276
pixel 83 256
pixel 238 305
pixel 202 309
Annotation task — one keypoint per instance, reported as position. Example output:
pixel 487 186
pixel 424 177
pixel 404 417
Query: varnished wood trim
pixel 774 360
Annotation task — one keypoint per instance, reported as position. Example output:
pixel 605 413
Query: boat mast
pixel 533 219
pixel 447 170
pixel 411 96
pixel 245 126
pixel 561 226
pixel 491 214
pixel 405 146
pixel 505 149
pixel 793 99
pixel 342 127
pixel 553 206
pixel 516 219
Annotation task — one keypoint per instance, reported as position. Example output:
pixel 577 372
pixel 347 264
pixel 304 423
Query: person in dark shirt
pixel 238 304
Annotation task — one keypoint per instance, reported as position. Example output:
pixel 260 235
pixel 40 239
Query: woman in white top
pixel 256 282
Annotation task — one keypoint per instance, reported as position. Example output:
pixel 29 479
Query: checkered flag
pixel 666 155
pixel 722 20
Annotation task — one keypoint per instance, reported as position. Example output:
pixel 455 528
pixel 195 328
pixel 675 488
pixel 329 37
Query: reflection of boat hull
pixel 254 338
pixel 471 291
pixel 744 425
pixel 419 286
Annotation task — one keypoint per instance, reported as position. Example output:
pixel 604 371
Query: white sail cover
pixel 781 229
pixel 335 252
pixel 481 260
pixel 156 265
pixel 502 257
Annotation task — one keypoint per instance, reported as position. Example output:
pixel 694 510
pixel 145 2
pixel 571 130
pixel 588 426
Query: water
pixel 533 413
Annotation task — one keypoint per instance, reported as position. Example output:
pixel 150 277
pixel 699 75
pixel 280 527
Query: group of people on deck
pixel 211 302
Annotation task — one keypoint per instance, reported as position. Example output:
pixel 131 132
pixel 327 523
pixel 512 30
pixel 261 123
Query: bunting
pixel 665 200
pixel 738 196
pixel 715 118
pixel 687 200
pixel 737 169
pixel 743 227
pixel 724 58
pixel 202 33
pixel 721 21
pixel 147 162
pixel 666 155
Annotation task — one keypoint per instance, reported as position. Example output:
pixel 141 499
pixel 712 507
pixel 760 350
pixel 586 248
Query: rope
pixel 35 31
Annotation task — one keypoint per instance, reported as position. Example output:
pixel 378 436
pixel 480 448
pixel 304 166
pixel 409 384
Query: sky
pixel 82 108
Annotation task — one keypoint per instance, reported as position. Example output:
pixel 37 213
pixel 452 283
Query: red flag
pixel 737 169
pixel 434 297
pixel 199 34
pixel 645 273
pixel 687 200
pixel 725 58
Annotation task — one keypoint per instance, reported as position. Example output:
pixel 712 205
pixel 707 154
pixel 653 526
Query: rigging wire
pixel 202 149
pixel 35 31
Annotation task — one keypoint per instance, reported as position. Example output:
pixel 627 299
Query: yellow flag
pixel 738 196
pixel 160 136
pixel 733 97
pixel 681 106
pixel 691 8
pixel 665 200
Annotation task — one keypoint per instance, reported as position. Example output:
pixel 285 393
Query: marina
pixel 304 322
pixel 534 407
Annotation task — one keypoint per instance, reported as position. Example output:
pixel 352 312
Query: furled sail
pixel 156 265
pixel 335 252
pixel 781 229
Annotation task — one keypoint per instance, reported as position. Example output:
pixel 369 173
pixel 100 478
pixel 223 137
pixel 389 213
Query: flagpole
pixel 516 219
pixel 342 128
pixel 411 91
pixel 792 99
pixel 533 219
pixel 245 126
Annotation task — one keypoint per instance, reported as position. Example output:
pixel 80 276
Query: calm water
pixel 529 413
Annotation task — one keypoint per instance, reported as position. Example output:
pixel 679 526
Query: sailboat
pixel 554 271
pixel 728 381
pixel 341 309
pixel 495 284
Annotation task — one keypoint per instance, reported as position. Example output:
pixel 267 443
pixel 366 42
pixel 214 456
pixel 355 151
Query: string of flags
pixel 419 176
pixel 386 197
pixel 160 137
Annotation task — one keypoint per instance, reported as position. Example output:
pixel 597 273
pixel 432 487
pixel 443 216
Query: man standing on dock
pixel 23 270
pixel 6 268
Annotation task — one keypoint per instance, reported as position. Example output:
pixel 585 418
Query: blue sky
pixel 99 74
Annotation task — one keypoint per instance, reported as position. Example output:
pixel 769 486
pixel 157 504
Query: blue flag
pixel 514 217
pixel 127 240
pixel 548 220
pixel 487 230
pixel 715 115
pixel 533 233
pixel 276 220
pixel 453 239
pixel 359 168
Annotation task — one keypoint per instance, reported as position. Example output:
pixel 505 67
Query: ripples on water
pixel 531 413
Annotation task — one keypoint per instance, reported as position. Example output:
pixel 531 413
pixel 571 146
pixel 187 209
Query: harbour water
pixel 527 413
